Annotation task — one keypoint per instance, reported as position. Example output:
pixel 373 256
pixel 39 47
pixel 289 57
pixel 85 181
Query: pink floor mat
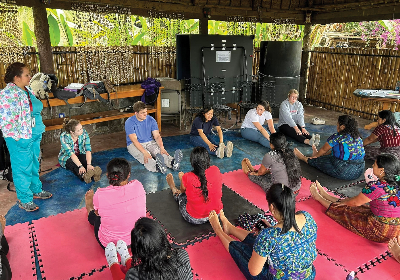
pixel 241 184
pixel 384 269
pixel 210 260
pixel 67 246
pixel 340 244
pixel 21 254
pixel 98 275
pixel 326 269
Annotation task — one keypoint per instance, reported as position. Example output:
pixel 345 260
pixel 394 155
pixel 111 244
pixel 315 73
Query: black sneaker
pixel 160 164
pixel 42 195
pixel 29 206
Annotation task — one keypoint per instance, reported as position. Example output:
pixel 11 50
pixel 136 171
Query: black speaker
pixel 280 59
pixel 182 57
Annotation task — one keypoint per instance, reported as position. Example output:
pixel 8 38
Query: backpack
pixel 151 88
pixel 41 85
pixel 5 163
pixel 61 93
pixel 92 90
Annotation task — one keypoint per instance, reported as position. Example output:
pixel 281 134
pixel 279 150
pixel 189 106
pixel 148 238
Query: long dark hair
pixel 203 111
pixel 350 126
pixel 118 170
pixel 152 251
pixel 283 200
pixel 15 69
pixel 390 120
pixel 292 163
pixel 200 161
pixel 392 168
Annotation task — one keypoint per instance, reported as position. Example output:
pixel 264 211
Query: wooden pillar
pixel 305 61
pixel 203 26
pixel 43 38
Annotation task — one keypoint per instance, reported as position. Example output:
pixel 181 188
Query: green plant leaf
pixel 54 30
pixel 138 38
pixel 26 35
pixel 67 30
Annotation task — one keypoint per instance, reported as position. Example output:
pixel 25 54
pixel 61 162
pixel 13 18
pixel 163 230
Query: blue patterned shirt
pixel 290 255
pixel 345 147
pixel 67 146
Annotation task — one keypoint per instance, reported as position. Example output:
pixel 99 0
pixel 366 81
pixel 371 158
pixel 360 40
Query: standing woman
pixel 387 134
pixel 200 135
pixel 291 120
pixel 252 127
pixel 342 156
pixel 76 152
pixel 22 127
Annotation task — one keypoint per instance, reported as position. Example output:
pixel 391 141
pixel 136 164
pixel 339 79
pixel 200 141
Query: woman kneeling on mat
pixel 380 221
pixel 153 254
pixel 200 134
pixel 346 161
pixel 284 251
pixel 114 210
pixel 291 120
pixel 388 135
pixel 200 190
pixel 252 127
pixel 278 166
pixel 76 153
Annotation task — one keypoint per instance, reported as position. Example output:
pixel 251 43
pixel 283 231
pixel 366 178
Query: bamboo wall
pixel 335 73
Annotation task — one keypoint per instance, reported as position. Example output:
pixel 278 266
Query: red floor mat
pixel 337 242
pixel 240 183
pixel 99 275
pixel 67 245
pixel 383 267
pixel 327 269
pixel 21 255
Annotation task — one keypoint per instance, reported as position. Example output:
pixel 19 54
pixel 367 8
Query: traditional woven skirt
pixel 338 168
pixel 371 152
pixel 362 221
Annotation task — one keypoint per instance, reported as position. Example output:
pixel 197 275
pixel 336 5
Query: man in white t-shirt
pixel 252 126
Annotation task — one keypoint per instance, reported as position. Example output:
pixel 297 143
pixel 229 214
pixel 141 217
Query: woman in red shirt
pixel 201 189
pixel 388 135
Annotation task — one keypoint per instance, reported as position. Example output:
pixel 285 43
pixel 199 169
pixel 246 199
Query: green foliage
pixel 54 30
pixel 67 30
pixel 27 35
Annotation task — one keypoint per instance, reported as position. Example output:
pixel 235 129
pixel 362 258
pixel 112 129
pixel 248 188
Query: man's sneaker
pixel 229 149
pixel 42 195
pixel 317 139
pixel 160 164
pixel 87 177
pixel 317 121
pixel 221 150
pixel 29 206
pixel 312 140
pixel 97 174
pixel 178 156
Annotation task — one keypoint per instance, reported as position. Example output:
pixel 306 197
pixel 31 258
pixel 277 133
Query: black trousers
pixel 95 221
pixel 5 265
pixel 70 165
pixel 289 131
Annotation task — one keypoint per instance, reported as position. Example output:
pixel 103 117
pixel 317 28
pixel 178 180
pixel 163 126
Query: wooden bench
pixel 122 92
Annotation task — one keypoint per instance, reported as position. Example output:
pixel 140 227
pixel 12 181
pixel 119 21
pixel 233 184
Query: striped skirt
pixel 363 222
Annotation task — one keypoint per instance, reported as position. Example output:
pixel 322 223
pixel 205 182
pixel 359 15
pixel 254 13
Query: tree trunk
pixel 305 62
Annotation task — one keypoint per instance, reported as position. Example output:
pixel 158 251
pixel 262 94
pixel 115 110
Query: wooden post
pixel 203 26
pixel 43 38
pixel 305 62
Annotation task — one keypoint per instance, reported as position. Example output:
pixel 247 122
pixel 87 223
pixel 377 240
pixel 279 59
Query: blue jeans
pixel 241 254
pixel 197 141
pixel 255 136
pixel 24 156
pixel 338 168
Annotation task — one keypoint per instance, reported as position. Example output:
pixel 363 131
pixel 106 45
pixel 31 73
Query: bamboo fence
pixel 335 73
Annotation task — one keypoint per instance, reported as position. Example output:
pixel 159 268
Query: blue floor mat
pixel 69 192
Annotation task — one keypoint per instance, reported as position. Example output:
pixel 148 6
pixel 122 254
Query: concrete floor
pixel 117 140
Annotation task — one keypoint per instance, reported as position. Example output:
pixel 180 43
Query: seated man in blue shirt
pixel 145 144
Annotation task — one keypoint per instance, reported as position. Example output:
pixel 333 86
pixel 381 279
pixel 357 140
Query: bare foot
pixel 323 192
pixel 89 200
pixel 226 225
pixel 299 155
pixel 180 175
pixel 213 219
pixel 171 183
pixel 245 167
pixel 314 191
pixel 314 151
pixel 249 165
pixel 394 248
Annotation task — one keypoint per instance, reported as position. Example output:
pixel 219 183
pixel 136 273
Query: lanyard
pixel 30 101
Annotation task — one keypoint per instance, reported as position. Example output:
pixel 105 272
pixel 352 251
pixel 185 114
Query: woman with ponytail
pixel 387 134
pixel 114 210
pixel 342 156
pixel 278 166
pixel 380 220
pixel 284 251
pixel 200 190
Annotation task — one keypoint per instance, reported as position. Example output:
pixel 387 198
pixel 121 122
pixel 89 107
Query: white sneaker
pixel 221 150
pixel 229 149
pixel 317 139
pixel 312 140
pixel 317 121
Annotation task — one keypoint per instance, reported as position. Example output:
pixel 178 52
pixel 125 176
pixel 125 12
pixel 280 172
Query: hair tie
pixel 115 177
pixel 397 178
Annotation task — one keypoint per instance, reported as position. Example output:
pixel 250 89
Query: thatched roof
pixel 320 11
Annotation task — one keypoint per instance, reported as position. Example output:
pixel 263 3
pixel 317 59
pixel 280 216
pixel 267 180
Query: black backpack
pixel 5 162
